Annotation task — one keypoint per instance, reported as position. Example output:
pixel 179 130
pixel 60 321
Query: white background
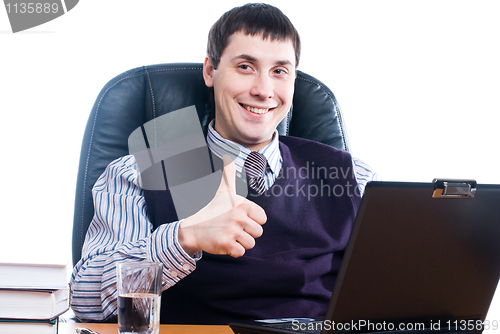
pixel 418 83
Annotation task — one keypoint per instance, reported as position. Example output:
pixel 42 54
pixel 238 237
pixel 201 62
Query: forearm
pixel 93 283
pixel 93 286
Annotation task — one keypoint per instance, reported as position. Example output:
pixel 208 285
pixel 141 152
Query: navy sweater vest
pixel 292 269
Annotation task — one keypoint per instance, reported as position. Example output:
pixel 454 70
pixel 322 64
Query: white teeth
pixel 256 110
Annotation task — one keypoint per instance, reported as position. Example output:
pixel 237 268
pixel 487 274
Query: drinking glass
pixel 139 297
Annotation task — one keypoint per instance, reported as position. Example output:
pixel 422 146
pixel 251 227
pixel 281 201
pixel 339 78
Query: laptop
pixel 421 256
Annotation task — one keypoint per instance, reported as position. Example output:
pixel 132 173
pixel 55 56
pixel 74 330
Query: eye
pixel 245 68
pixel 280 72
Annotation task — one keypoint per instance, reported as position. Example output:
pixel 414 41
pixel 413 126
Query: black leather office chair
pixel 141 94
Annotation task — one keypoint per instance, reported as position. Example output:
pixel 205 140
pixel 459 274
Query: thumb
pixel 228 181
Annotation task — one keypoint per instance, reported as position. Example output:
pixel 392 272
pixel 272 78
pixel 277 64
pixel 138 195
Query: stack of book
pixel 32 297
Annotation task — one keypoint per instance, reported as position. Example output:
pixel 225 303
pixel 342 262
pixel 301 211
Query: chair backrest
pixel 142 94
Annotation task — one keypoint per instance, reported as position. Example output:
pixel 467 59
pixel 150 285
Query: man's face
pixel 253 88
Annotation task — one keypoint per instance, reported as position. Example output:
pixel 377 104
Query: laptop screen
pixel 413 257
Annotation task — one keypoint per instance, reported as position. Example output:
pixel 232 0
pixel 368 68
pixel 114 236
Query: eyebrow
pixel 245 57
pixel 253 59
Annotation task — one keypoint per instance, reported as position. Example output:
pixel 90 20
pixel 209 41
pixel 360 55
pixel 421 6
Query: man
pixel 222 263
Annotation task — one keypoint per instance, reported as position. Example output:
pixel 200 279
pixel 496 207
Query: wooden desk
pixel 69 328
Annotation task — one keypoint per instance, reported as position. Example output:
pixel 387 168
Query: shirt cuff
pixel 165 248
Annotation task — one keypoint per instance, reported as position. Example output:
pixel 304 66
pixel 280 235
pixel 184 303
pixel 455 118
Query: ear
pixel 208 72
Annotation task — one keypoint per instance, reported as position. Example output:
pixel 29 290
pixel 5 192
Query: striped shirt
pixel 121 230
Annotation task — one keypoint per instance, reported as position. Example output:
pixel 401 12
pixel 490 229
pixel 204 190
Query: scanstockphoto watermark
pixel 380 326
pixel 332 181
pixel 355 326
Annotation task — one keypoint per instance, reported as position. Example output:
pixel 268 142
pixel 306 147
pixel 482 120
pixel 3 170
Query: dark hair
pixel 252 19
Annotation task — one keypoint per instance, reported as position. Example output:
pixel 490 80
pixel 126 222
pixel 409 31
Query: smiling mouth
pixel 256 110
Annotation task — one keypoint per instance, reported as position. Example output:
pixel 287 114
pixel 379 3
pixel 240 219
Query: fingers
pixel 255 212
pixel 247 231
pixel 243 242
pixel 254 230
pixel 236 251
pixel 232 233
pixel 252 218
pixel 248 227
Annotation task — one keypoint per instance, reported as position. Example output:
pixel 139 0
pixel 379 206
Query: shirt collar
pixel 239 153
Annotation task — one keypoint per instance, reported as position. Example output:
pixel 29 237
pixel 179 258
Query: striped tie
pixel 255 166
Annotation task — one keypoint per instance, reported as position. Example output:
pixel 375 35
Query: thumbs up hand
pixel 228 224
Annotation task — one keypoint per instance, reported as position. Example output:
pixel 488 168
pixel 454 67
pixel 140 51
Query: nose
pixel 262 86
